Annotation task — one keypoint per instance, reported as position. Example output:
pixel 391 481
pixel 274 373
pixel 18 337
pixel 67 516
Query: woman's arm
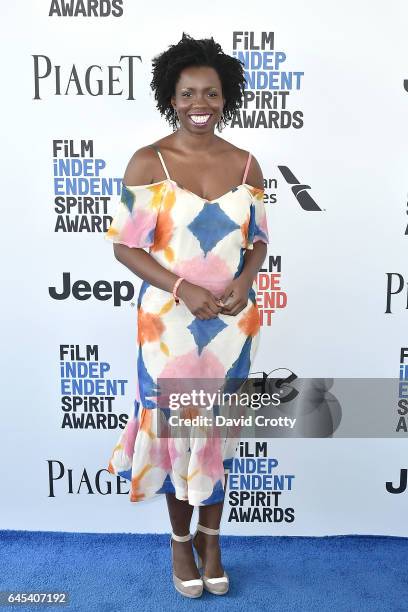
pixel 235 295
pixel 199 300
pixel 254 258
pixel 139 171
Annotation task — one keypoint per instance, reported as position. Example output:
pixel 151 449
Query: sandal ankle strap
pixel 207 530
pixel 177 538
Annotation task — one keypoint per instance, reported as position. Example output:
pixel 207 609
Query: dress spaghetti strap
pixel 247 168
pixel 156 148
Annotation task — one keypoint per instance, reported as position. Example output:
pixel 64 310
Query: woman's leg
pixel 180 513
pixel 208 546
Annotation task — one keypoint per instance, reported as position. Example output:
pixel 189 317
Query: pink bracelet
pixel 176 284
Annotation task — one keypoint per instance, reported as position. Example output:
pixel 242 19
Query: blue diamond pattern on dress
pixel 240 367
pixel 211 225
pixel 204 330
pixel 127 197
pixel 217 494
pixel 147 386
pixel 145 284
pixel 126 474
pixel 253 227
pixel 167 486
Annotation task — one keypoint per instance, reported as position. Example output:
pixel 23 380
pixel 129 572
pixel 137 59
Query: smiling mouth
pixel 200 118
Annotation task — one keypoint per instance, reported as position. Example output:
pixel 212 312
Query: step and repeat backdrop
pixel 325 114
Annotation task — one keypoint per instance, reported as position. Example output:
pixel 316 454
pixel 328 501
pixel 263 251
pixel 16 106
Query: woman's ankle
pixel 184 565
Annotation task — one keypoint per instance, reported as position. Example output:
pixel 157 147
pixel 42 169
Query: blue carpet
pixel 128 572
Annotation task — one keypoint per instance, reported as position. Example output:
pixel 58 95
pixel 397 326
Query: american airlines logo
pixel 299 190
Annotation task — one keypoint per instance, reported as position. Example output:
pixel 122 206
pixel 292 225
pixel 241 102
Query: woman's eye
pixel 188 93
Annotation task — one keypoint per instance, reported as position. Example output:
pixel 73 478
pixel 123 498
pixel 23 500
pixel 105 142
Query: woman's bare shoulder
pixel 254 176
pixel 240 155
pixel 141 167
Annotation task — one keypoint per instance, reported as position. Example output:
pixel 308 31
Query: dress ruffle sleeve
pixel 135 218
pixel 258 224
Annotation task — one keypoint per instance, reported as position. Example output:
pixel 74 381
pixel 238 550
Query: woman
pixel 196 202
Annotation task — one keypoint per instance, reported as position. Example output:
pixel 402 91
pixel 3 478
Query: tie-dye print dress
pixel 205 242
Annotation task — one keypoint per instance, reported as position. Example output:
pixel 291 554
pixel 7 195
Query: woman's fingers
pixel 234 307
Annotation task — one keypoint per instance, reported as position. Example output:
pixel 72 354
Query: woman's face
pixel 198 99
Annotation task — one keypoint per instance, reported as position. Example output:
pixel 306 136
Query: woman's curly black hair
pixel 196 52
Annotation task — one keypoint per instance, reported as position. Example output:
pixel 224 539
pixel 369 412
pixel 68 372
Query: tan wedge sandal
pixel 216 586
pixel 188 588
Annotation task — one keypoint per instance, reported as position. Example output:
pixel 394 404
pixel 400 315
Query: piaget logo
pixel 94 80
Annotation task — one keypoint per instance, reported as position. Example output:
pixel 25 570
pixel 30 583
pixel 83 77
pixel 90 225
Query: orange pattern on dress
pixel 150 326
pixel 250 322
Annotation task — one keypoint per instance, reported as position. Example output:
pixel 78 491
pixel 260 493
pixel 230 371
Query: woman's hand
pixel 200 301
pixel 235 296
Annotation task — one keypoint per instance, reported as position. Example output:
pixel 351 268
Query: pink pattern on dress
pixel 129 436
pixel 193 365
pixel 138 227
pixel 210 459
pixel 211 272
pixel 263 226
pixel 162 453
